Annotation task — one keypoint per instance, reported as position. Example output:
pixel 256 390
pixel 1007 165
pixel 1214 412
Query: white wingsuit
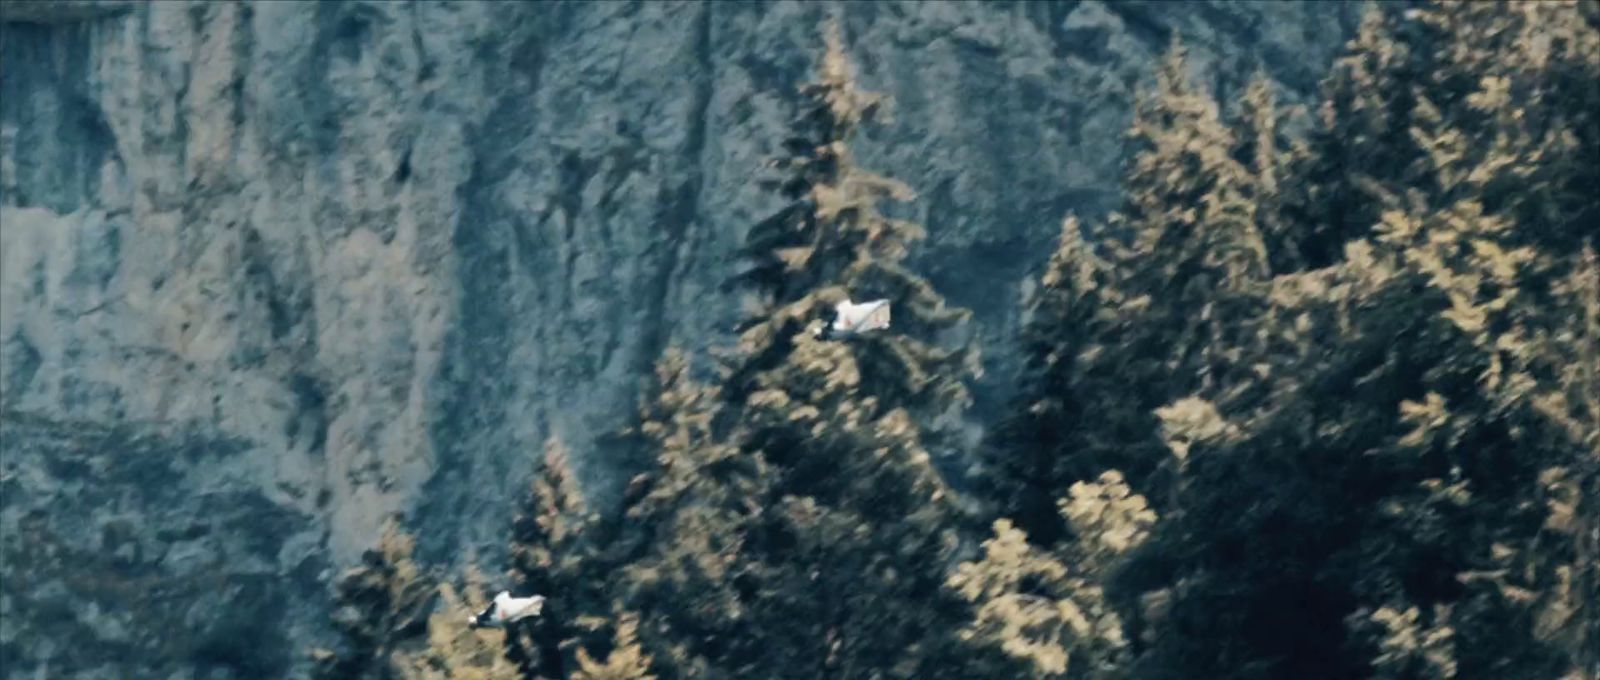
pixel 855 319
pixel 506 609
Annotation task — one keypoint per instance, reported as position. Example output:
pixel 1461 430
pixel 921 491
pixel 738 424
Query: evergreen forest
pixel 1319 399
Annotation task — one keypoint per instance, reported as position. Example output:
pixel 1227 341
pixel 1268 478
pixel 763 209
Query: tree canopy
pixel 1311 404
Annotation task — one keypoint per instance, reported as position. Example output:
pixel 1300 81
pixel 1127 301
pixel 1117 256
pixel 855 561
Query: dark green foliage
pixel 553 553
pixel 841 558
pixel 1115 334
pixel 1356 376
pixel 1368 464
pixel 625 661
pixel 1361 135
pixel 793 524
pixel 1269 154
pixel 1051 440
pixel 832 241
pixel 1383 509
pixel 383 605
pixel 1039 613
pixel 686 526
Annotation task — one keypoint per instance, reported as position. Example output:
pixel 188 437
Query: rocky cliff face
pixel 274 271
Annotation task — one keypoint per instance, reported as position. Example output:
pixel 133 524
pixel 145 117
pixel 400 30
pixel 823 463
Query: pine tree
pixel 793 524
pixel 1532 73
pixel 1194 259
pixel 832 241
pixel 1361 136
pixel 1501 165
pixel 1152 317
pixel 1358 377
pixel 845 565
pixel 1575 499
pixel 382 607
pixel 456 651
pixel 685 526
pixel 1067 330
pixel 1263 148
pixel 1036 630
pixel 554 554
pixel 1190 226
pixel 693 465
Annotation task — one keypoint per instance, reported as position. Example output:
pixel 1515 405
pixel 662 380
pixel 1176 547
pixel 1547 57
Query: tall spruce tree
pixel 831 241
pixel 1193 261
pixel 1567 612
pixel 686 521
pixel 857 528
pixel 555 553
pixel 1492 220
pixel 1263 147
pixel 382 611
pixel 793 524
pixel 1360 135
pixel 1043 447
pixel 1144 314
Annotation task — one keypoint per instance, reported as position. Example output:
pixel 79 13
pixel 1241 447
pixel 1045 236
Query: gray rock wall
pixel 274 271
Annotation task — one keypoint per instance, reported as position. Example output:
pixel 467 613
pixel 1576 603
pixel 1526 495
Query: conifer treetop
pixel 1046 608
pixel 455 651
pixel 833 242
pixel 382 605
pixel 835 86
pixel 626 661
pixel 1189 204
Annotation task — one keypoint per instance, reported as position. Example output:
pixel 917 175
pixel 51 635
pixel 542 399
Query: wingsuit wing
pixel 877 317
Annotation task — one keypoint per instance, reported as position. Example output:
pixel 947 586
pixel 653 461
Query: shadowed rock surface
pixel 138 551
pixel 274 271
